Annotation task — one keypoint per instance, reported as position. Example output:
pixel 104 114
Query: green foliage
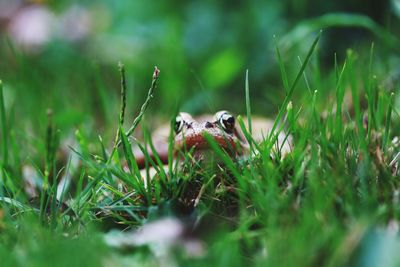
pixel 333 200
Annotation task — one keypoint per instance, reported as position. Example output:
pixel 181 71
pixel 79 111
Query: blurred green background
pixel 63 55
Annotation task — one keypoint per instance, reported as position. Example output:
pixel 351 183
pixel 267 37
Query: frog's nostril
pixel 208 125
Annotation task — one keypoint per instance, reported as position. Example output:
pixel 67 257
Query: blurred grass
pixel 333 201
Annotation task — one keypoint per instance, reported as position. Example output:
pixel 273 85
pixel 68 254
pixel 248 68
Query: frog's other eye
pixel 178 124
pixel 227 121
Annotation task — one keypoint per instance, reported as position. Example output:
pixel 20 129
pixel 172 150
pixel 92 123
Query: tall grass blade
pixel 146 102
pixel 282 68
pixel 248 108
pixel 290 93
pixel 386 134
pixel 130 158
pixel 371 95
pixel 3 125
pixel 340 92
pixel 356 101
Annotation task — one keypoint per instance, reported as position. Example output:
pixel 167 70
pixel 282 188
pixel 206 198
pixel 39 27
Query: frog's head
pixel 190 133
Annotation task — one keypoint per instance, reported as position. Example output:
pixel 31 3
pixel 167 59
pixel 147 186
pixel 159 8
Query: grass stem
pixel 3 125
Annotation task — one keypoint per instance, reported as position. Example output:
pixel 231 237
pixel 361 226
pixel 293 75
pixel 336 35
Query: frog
pixel 190 136
pixel 196 158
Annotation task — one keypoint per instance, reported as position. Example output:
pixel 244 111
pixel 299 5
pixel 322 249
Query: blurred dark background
pixel 63 54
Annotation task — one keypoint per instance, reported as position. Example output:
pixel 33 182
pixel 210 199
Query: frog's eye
pixel 227 121
pixel 178 124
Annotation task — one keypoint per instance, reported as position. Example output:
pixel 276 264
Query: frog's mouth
pixel 198 143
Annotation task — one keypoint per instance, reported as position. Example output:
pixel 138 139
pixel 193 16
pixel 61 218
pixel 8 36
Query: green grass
pixel 331 202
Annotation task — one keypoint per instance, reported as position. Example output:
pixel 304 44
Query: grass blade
pixel 385 139
pixel 290 93
pixel 130 158
pixel 123 100
pixel 3 126
pixel 145 104
pixel 371 95
pixel 340 92
pixel 282 68
pixel 248 108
